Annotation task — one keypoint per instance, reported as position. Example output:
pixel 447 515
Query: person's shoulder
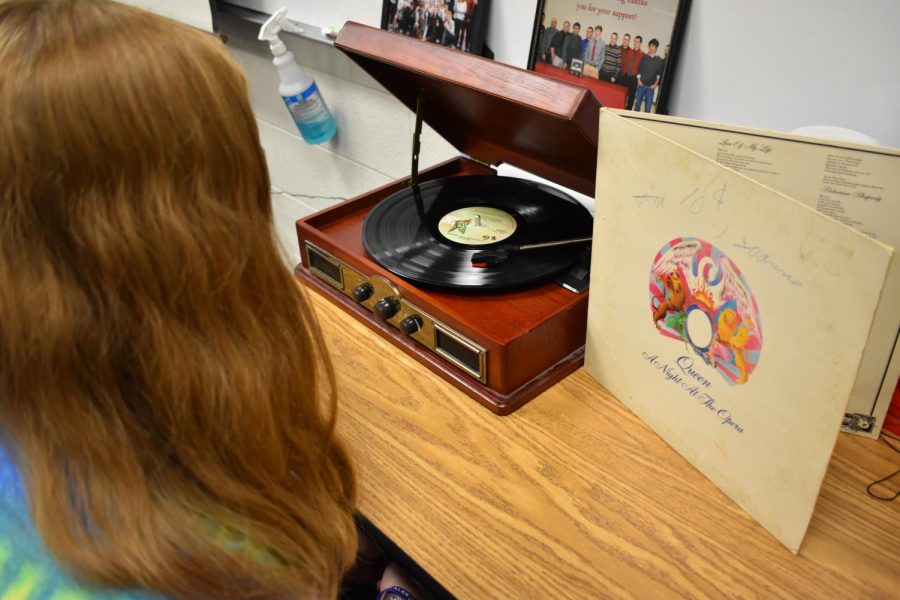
pixel 11 489
pixel 27 569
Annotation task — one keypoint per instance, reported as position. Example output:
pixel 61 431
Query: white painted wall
pixel 322 13
pixel 196 13
pixel 373 145
pixel 509 28
pixel 774 64
pixel 780 64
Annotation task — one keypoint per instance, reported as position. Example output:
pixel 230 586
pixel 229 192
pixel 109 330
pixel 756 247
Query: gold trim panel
pixel 382 287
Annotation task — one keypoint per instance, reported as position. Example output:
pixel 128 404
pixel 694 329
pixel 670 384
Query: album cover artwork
pixel 728 316
pixel 700 298
pixel 849 183
pixel 459 24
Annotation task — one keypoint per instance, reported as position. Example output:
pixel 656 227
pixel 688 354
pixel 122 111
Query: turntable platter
pixel 428 233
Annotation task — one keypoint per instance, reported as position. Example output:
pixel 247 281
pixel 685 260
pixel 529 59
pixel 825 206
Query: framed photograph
pixel 459 24
pixel 577 67
pixel 628 50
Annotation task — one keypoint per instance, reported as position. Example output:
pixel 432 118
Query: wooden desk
pixel 574 497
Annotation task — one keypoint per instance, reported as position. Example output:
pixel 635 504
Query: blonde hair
pixel 163 383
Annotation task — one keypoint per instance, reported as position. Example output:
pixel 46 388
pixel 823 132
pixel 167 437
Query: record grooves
pixel 429 233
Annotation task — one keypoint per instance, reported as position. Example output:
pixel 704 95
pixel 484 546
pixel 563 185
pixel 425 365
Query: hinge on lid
pixel 417 140
pixel 481 162
pixel 417 143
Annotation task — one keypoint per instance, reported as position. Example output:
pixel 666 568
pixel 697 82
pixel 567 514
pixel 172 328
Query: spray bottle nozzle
pixel 273 26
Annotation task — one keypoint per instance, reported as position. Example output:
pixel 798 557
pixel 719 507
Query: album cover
pixel 853 184
pixel 729 315
pixel 459 24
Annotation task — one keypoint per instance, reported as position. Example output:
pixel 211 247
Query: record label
pixel 477 225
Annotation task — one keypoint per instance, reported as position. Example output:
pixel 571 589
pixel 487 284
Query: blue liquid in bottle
pixel 311 115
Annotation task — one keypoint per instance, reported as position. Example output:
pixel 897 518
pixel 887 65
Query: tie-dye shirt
pixel 27 570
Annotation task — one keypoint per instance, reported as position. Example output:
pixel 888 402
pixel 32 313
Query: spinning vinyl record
pixel 430 233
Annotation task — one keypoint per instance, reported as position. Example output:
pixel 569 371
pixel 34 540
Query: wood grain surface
pixel 574 497
pixel 486 109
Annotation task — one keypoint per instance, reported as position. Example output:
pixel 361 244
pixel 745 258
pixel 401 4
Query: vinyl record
pixel 428 234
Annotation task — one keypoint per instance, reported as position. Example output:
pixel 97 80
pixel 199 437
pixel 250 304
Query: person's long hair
pixel 163 385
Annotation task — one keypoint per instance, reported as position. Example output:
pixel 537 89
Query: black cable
pixel 882 480
pixel 884 437
pixel 885 440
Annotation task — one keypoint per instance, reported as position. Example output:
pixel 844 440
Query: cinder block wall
pixel 372 147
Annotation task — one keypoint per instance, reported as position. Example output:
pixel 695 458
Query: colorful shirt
pixel 27 570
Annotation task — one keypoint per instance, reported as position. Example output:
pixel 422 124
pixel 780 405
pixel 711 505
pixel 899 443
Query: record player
pixel 503 344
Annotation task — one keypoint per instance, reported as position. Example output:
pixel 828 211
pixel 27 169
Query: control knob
pixel 411 324
pixel 386 308
pixel 362 292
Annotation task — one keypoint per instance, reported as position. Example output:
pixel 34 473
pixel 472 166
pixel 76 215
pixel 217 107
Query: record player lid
pixel 491 111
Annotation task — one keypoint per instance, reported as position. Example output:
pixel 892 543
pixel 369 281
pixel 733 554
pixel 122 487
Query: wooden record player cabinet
pixel 502 348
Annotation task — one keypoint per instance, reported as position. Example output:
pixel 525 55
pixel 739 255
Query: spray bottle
pixel 297 88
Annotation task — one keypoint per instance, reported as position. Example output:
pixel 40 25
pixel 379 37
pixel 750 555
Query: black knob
pixel 362 292
pixel 411 324
pixel 386 308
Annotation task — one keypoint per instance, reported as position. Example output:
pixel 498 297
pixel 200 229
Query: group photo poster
pixel 625 51
pixel 459 24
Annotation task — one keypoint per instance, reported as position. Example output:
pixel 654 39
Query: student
pixel 545 38
pixel 585 43
pixel 631 60
pixel 167 406
pixel 648 76
pixel 572 45
pixel 449 37
pixel 612 59
pixel 557 45
pixel 594 53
